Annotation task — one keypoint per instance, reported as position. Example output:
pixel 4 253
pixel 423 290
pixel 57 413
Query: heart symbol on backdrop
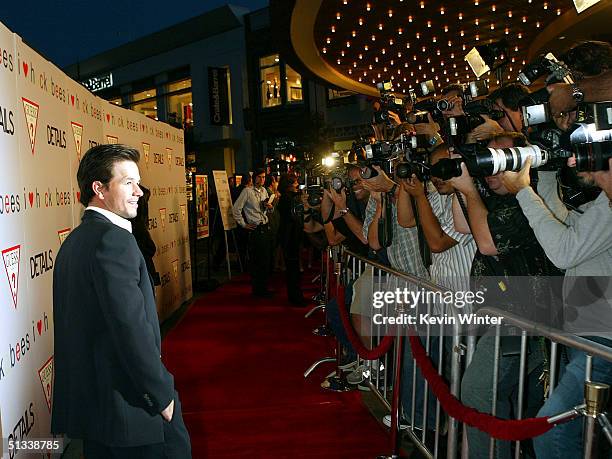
pixel 31 196
pixel 39 326
pixel 79 196
pixel 72 100
pixel 108 117
pixel 25 69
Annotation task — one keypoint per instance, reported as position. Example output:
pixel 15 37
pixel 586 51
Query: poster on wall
pixel 201 190
pixel 225 200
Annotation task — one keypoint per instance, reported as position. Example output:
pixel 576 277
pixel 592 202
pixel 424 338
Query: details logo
pixel 63 234
pixel 146 150
pixel 77 132
pixel 46 379
pixel 31 115
pixel 11 265
pixel 175 270
pixel 23 427
pixel 183 212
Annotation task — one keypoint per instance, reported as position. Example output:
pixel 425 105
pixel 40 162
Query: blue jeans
pixel 477 385
pixel 335 322
pixel 565 440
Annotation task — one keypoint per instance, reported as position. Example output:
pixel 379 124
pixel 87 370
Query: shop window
pixel 145 102
pixel 293 86
pixel 180 103
pixel 269 71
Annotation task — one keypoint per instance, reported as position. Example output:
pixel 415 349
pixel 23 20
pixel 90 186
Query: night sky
pixel 65 31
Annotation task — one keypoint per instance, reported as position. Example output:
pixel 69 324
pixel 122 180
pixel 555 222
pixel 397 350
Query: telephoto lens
pixel 367 172
pixel 404 170
pixel 446 168
pixel 593 156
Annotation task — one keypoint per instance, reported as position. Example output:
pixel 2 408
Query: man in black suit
pixel 111 388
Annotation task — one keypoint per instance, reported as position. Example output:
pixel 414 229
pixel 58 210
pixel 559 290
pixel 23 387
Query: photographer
pixel 581 243
pixel 403 254
pixel 507 248
pixel 290 237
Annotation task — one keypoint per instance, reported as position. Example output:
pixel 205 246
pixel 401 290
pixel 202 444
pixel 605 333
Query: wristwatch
pixel 343 212
pixel 577 93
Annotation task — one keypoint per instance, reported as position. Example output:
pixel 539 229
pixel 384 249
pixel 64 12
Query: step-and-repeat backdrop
pixel 47 122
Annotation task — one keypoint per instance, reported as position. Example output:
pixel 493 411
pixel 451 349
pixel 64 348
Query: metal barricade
pixel 384 375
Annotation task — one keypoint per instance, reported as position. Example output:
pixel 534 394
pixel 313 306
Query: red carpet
pixel 238 364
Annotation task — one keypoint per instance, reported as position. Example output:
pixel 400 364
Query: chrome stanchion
pixel 596 398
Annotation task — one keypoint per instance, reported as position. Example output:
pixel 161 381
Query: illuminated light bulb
pixel 477 37
pixel 380 26
pixel 378 75
pixel 366 47
pixel 450 43
pixel 345 2
pixel 373 37
pixel 350 71
pixel 370 67
pixel 376 59
pixel 399 72
pixel 463 47
pixel 360 21
pixel 462 33
pixel 405 79
pixel 523 62
pixel 538 24
pixel 408 45
pixel 385 69
pixel 399 54
pixel 423 49
pixel 429 24
pixel 422 5
pixel 509 14
pixel 342 53
pixel 558 12
pixel 452 55
pixel 477 22
pixel 438 52
pixel 411 74
pixel 444 72
pixel 466 67
pixel 338 61
pixel 447 80
pixel 428 61
pixel 324 50
pixel 328 40
pixel 442 11
pixel 524 18
pixel 348 44
pixel 513 60
pixel 446 28
pixel 418 35
pixel 383 51
pixel 409 18
pixel 333 28
pixel 545 5
pixel 433 69
pixel 434 39
pixel 454 66
pixel 392 62
pixel 365 73
pixel 400 31
pixel 425 76
pixel 368 7
pixel 414 58
pixel 493 8
pixel 360 79
pixel 354 33
pixel 405 64
pixel 390 13
pixel 475 2
pixel 420 68
pixel 507 31
pixel 456 74
pixel 441 63
pixel 338 16
pixel 461 16
pixel 373 80
pixel 354 64
pixel 492 26
pixel 391 42
pixel 520 35
pixel 516 48
pixel 437 79
pixel 361 56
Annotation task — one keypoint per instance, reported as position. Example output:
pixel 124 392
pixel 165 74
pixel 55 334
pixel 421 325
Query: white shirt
pixel 114 218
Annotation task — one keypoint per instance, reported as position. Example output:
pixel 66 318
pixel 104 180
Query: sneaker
pixel 386 420
pixel 356 376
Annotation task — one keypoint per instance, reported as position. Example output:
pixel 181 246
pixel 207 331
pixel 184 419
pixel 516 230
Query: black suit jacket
pixel 110 383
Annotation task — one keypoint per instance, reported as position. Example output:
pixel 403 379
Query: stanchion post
pixel 596 398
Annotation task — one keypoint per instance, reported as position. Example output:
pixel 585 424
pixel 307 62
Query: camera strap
pixel 332 211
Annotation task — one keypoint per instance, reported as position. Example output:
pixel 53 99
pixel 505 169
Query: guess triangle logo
pixel 63 234
pixel 31 115
pixel 77 132
pixel 46 379
pixel 11 265
pixel 111 139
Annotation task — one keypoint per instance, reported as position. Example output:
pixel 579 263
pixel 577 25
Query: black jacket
pixel 110 383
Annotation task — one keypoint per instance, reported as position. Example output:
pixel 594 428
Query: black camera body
pixel 388 102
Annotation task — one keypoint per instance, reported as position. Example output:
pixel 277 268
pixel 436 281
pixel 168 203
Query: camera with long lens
pixel 471 91
pixel 458 127
pixel 482 161
pixel 388 102
pixel 592 139
pixel 382 154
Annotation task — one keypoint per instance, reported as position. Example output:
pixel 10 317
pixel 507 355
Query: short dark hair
pixel 589 57
pixel 452 87
pixel 285 182
pixel 97 165
pixel 510 94
pixel 518 139
pixel 258 171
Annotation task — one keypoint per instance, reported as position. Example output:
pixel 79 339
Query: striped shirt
pixel 403 252
pixel 450 268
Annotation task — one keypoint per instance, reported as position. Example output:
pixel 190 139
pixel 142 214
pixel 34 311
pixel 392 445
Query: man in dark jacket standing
pixel 111 388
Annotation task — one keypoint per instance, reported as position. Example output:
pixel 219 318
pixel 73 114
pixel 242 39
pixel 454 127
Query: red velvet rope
pixel 503 429
pixel 364 352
